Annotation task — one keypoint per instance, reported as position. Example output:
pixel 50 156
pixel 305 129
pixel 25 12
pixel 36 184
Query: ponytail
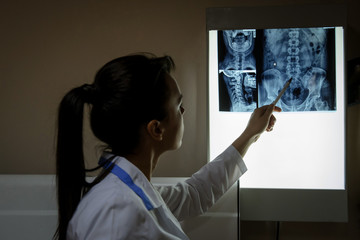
pixel 70 167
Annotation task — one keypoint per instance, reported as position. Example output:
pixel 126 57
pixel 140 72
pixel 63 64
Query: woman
pixel 136 109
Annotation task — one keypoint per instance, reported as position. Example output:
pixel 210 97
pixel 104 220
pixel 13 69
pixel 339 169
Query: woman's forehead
pixel 173 86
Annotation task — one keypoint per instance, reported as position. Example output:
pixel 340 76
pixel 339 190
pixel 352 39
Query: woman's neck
pixel 145 160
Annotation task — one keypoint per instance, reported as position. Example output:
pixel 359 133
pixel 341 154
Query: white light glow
pixel 304 151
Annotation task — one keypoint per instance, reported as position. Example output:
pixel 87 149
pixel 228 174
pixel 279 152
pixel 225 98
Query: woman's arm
pixel 198 193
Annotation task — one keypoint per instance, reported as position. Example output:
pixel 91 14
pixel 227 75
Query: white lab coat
pixel 111 210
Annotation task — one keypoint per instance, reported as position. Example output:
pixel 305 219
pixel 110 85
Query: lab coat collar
pixel 138 178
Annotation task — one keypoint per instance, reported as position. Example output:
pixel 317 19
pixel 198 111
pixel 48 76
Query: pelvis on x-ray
pixel 255 64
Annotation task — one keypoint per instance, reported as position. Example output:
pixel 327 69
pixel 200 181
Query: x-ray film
pixel 253 66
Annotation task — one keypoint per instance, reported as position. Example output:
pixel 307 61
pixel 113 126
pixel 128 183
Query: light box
pixel 296 172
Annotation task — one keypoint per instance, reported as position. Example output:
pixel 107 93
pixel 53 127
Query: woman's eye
pixel 182 109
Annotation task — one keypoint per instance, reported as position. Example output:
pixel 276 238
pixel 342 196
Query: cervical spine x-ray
pixel 255 64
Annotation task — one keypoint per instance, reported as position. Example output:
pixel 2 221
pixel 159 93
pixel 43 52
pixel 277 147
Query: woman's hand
pixel 261 120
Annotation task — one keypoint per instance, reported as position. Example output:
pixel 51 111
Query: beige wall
pixel 48 47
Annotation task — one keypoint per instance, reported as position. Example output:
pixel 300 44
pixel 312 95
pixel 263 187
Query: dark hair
pixel 127 93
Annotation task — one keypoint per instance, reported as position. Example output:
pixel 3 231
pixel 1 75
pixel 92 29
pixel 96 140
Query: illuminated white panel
pixel 306 148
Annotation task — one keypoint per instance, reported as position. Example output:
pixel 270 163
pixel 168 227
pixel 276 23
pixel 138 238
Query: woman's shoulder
pixel 110 195
pixel 106 207
pixel 110 191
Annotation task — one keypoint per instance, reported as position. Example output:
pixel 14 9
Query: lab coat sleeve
pixel 198 193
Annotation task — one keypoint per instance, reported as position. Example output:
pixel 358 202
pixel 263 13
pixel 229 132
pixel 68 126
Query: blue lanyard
pixel 125 178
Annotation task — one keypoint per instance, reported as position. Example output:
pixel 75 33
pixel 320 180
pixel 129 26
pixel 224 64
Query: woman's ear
pixel 155 130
